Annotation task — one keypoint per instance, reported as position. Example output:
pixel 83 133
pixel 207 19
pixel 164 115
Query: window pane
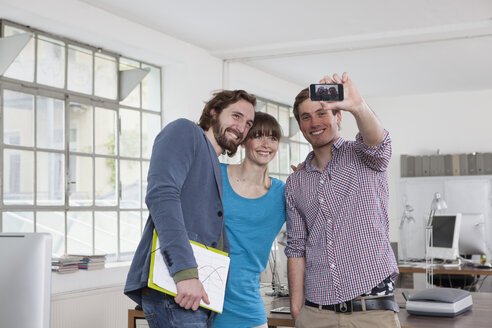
pixel 294 154
pixel 130 232
pixel 260 106
pixel 242 152
pixel 272 110
pixel 145 216
pixel 145 173
pixel 304 151
pixel 273 165
pixel 105 131
pixel 54 223
pixel 133 99
pixel 79 69
pixel 50 178
pixel 106 234
pixel 18 173
pixel 296 136
pixel 18 222
pixel 283 119
pixel 130 133
pixel 80 128
pixel 130 184
pixel 105 182
pixel 106 76
pixel 80 183
pixel 50 117
pixel 51 62
pixel 283 155
pixel 79 232
pixel 151 126
pixel 16 131
pixel 23 66
pixel 151 89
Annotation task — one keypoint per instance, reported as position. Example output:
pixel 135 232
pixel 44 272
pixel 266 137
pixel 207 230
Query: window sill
pixel 113 275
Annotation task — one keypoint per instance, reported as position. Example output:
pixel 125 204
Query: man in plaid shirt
pixel 341 267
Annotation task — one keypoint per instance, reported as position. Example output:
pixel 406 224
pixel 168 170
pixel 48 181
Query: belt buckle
pixel 344 307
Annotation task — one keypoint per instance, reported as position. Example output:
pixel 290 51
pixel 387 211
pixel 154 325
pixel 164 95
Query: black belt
pixel 378 303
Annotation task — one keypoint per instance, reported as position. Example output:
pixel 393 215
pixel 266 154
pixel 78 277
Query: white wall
pixel 241 76
pixel 457 122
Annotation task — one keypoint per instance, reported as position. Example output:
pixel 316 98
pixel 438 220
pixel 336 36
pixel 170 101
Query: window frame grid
pixel 37 89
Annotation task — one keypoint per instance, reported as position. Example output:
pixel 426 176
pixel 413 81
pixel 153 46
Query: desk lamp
pixel 277 287
pixel 437 204
pixel 406 219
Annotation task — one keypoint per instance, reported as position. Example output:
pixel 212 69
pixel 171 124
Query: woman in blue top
pixel 254 209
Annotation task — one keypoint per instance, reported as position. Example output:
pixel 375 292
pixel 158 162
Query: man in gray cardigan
pixel 184 197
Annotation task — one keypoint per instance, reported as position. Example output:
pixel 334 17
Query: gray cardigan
pixel 184 197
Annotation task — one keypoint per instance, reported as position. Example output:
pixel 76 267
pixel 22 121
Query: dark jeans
pixel 161 311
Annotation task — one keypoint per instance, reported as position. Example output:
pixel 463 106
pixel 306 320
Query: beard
pixel 229 146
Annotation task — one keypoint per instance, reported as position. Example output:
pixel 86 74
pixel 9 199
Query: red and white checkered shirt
pixel 338 220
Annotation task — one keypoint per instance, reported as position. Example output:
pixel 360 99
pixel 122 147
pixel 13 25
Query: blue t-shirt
pixel 252 225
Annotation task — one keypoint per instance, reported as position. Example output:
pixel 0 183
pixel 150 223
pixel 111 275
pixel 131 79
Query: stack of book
pixel 92 262
pixel 65 264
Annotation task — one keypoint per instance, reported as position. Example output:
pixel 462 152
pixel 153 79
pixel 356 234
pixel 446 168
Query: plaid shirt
pixel 338 220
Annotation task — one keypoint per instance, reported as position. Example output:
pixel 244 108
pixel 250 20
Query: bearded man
pixel 184 198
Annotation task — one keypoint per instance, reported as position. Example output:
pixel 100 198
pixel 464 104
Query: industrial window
pixel 74 150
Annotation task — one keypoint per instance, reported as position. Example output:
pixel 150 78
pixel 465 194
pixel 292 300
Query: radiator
pixel 96 308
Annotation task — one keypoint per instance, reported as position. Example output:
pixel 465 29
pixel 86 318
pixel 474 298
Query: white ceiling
pixel 389 47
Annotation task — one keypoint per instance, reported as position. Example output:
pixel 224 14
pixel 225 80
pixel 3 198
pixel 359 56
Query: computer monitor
pixel 472 234
pixel 445 232
pixel 25 280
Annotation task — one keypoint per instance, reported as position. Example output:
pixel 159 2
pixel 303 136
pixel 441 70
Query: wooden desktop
pixel 479 316
pixel 459 270
pixel 462 276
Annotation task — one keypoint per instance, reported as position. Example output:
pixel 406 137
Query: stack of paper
pixel 65 264
pixel 92 262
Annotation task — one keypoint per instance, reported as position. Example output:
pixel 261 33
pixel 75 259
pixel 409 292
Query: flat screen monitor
pixel 25 280
pixel 446 232
pixel 472 234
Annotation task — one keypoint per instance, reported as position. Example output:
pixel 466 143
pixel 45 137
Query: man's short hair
pixel 221 100
pixel 303 95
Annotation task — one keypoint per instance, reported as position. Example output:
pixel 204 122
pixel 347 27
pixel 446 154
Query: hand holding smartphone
pixel 326 92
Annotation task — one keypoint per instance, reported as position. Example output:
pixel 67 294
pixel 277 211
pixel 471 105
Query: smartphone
pixel 326 92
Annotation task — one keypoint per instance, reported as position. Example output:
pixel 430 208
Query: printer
pixel 441 302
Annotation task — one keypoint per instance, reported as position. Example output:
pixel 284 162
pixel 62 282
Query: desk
pixel 479 316
pixel 461 270
pixel 448 276
pixel 133 315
